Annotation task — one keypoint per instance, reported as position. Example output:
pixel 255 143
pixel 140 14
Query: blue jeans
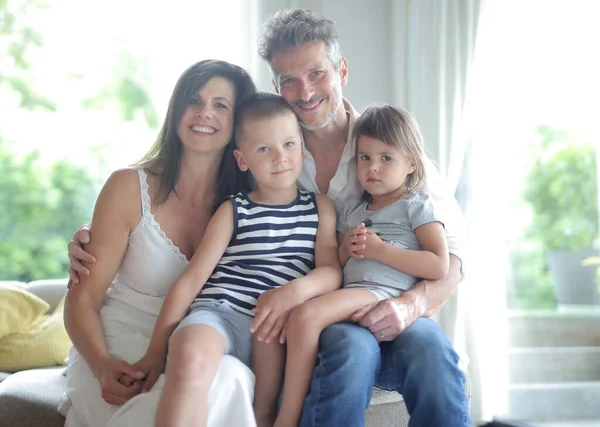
pixel 420 364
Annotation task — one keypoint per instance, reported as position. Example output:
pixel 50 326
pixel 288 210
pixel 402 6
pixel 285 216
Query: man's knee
pixel 348 345
pixel 424 345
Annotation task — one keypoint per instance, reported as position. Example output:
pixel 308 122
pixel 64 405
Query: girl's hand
pixel 371 246
pixel 355 239
pixel 109 373
pixel 152 365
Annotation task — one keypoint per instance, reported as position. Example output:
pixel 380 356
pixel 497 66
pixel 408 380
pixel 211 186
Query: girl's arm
pixel 116 213
pixel 179 298
pixel 431 263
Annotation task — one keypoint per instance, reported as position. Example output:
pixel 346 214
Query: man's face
pixel 310 84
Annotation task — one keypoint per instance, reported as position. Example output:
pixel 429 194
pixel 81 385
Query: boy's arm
pixel 327 275
pixel 274 305
pixel 343 255
pixel 179 298
pixel 431 263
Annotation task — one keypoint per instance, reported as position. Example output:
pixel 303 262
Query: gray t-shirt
pixel 396 225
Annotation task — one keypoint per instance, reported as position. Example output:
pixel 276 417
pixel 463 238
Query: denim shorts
pixel 233 325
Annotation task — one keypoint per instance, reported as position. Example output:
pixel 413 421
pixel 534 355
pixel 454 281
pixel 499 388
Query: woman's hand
pixel 119 381
pixel 152 365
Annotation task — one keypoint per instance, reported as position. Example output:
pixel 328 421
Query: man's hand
pixel 389 318
pixel 272 310
pixel 77 255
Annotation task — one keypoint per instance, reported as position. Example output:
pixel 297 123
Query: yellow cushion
pixel 47 344
pixel 19 310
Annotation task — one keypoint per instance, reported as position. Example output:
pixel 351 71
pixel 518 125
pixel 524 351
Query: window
pixel 534 201
pixel 84 87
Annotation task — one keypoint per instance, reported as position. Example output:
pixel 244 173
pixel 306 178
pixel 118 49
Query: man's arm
pixel 78 256
pixel 424 299
pixel 431 295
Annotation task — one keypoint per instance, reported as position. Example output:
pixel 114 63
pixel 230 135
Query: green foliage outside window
pixel 42 204
pixel 561 190
pixel 41 207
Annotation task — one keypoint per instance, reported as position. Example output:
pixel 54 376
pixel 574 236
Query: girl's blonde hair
pixel 397 128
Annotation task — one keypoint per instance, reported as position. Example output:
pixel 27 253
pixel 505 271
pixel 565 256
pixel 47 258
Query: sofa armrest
pixel 31 398
pixel 51 291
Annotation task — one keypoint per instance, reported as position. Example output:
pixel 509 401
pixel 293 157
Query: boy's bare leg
pixel 194 355
pixel 304 327
pixel 268 364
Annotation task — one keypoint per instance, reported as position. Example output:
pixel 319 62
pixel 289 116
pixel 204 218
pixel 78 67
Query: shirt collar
pixel 350 148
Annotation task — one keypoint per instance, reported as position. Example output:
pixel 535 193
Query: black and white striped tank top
pixel 270 246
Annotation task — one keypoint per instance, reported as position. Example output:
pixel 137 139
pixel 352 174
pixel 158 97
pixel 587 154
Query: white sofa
pixel 30 398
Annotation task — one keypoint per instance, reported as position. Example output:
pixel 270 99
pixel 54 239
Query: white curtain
pixel 432 59
pixel 431 48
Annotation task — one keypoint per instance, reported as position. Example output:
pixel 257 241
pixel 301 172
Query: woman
pixel 147 222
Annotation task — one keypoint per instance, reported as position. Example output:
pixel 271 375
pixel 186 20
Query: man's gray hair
pixel 290 28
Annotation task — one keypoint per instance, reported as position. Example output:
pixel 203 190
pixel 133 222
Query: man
pixel 397 346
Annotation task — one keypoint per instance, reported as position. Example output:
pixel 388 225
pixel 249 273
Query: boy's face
pixel 271 148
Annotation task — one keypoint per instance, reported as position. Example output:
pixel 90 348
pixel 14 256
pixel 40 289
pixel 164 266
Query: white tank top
pixel 150 266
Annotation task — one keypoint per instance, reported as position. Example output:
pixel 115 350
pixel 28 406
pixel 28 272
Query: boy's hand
pixel 272 310
pixel 152 365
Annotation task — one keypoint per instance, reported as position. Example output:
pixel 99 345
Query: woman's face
pixel 207 121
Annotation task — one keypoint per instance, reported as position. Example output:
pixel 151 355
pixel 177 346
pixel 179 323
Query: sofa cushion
pixel 30 398
pixel 47 344
pixel 20 310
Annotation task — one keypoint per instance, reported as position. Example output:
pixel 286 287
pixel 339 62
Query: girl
pixel 387 240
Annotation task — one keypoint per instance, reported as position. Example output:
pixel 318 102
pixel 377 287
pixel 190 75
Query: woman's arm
pixel 116 212
pixel 430 263
pixel 179 298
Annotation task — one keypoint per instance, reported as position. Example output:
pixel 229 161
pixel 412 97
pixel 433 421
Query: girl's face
pixel 207 122
pixel 382 169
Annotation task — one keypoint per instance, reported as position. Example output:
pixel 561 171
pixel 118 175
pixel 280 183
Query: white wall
pixel 365 39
